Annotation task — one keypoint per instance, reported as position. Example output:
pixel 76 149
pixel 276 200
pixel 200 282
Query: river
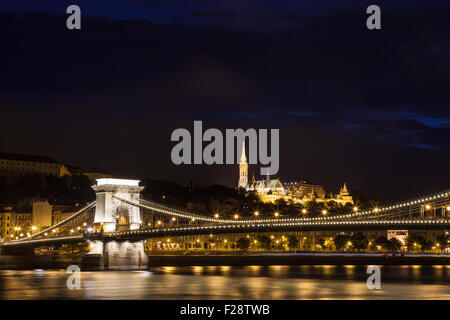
pixel 224 282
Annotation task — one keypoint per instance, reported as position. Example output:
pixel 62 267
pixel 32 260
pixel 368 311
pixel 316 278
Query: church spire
pixel 243 169
pixel 243 157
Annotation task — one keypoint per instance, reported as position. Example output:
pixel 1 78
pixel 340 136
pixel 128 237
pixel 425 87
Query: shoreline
pixel 292 259
pixel 55 262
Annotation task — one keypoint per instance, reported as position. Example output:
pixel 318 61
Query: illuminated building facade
pixel 270 190
pixel 12 164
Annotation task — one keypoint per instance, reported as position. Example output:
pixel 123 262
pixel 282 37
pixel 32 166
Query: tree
pixel 281 204
pixel 394 244
pixel 332 206
pixel 427 245
pixel 313 207
pixel 381 242
pixel 359 241
pixel 264 242
pixel 443 240
pixel 362 201
pixel 292 242
pixel 340 241
pixel 243 243
pixel 415 242
pixel 322 242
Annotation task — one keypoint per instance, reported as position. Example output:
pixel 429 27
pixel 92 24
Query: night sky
pixel 370 108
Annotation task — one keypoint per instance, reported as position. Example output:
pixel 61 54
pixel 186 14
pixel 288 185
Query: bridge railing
pixel 62 223
pixel 410 208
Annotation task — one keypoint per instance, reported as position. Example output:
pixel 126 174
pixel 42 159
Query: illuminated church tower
pixel 243 169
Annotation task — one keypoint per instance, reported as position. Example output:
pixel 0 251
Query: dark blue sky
pixel 237 14
pixel 366 107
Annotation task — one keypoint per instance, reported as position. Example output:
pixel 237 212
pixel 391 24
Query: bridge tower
pixel 111 214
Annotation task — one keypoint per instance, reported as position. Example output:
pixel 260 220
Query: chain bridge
pixel 113 223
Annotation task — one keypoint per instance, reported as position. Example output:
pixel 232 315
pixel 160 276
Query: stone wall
pixel 27 262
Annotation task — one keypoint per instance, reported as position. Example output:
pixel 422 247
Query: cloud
pixel 427 147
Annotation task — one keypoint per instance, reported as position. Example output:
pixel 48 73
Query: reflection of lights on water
pixel 277 270
pixel 144 273
pixel 39 272
pixel 349 269
pixel 211 268
pixel 197 269
pixel 438 270
pixel 255 269
pixel 328 269
pixel 225 269
pixel 168 269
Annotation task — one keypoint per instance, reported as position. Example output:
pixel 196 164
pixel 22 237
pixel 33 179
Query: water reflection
pixel 225 282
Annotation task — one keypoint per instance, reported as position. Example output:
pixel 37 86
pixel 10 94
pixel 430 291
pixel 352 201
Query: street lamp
pixel 236 216
pixel 428 207
pixel 324 212
pixel 256 213
pixel 216 216
pixel 276 214
pixel 355 209
pixel 304 211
